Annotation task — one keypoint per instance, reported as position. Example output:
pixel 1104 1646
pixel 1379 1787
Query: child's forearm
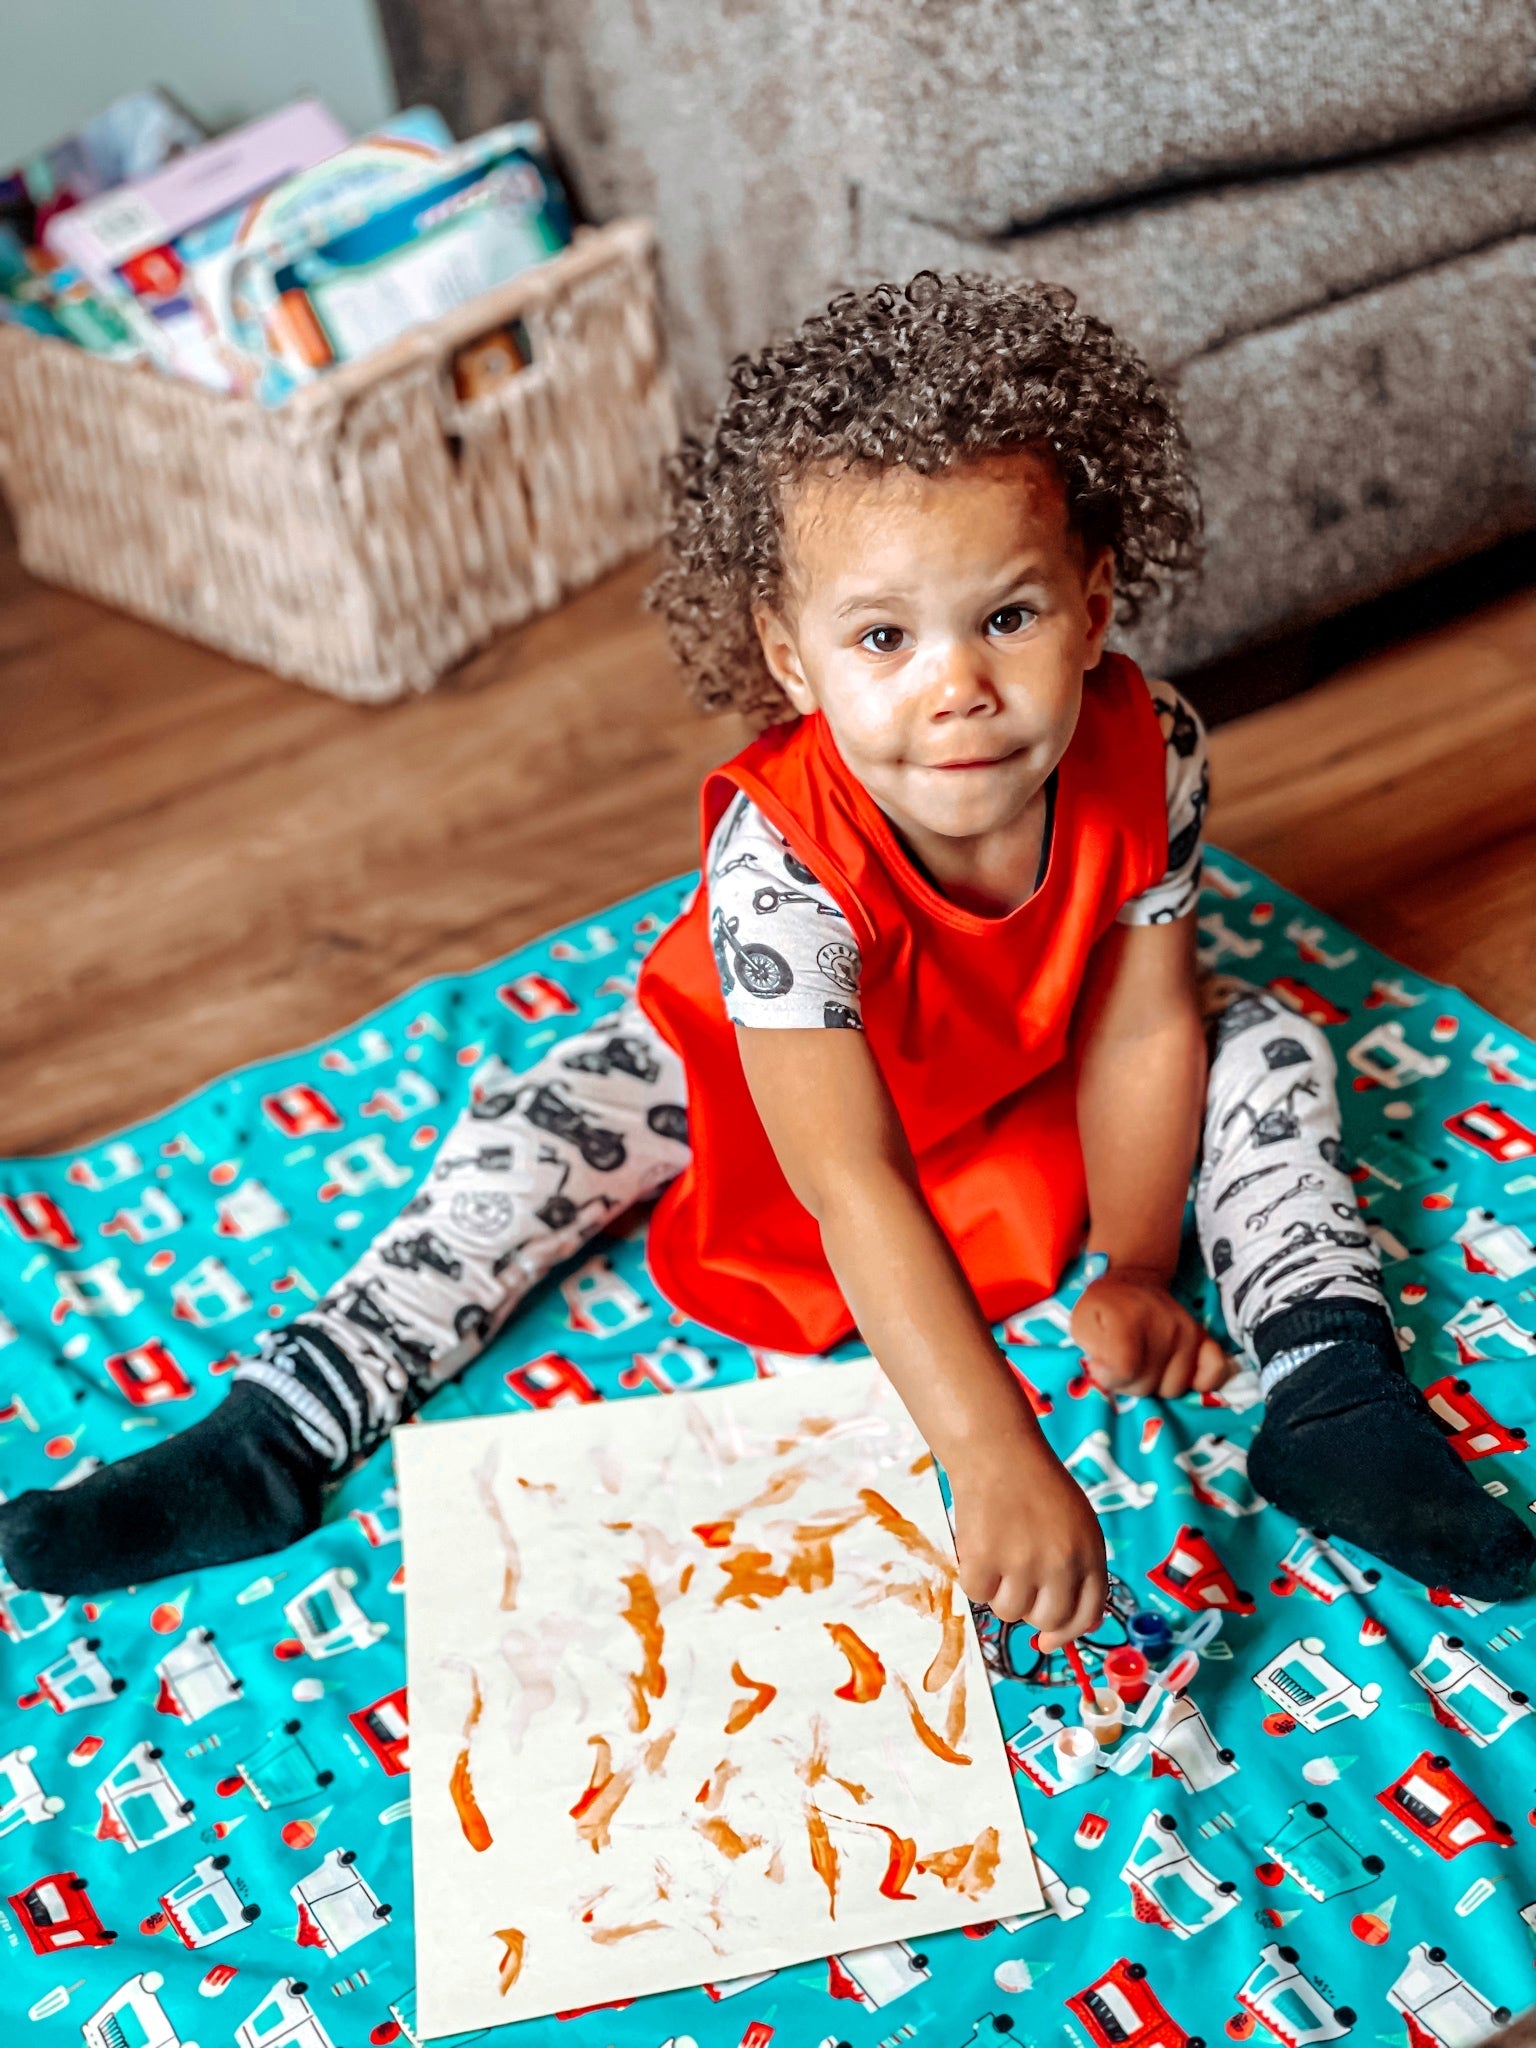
pixel 1140 1093
pixel 917 1312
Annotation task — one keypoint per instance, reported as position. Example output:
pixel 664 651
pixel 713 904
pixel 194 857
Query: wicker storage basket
pixel 366 535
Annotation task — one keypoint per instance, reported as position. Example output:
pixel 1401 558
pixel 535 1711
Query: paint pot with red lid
pixel 1127 1670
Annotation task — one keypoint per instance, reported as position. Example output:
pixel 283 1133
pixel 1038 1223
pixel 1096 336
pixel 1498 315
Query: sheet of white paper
pixel 694 1693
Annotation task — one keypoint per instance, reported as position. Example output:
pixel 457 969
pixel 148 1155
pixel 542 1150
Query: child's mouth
pixel 981 761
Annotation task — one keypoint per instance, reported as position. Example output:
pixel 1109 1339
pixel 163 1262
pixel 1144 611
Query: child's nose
pixel 963 684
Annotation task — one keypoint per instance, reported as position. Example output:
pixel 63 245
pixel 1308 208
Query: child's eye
pixel 1010 619
pixel 882 639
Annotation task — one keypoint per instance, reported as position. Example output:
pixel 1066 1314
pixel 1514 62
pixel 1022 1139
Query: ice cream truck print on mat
pixel 139 1803
pixel 386 1728
pixel 1121 2010
pixel 1466 1695
pixel 1439 2006
pixel 55 1913
pixel 1302 1682
pixel 24 1613
pixel 1195 1576
pixel 280 1773
pixel 1290 2004
pixel 1431 1800
pixel 133 2017
pixel 284 2019
pixel 23 1802
pixel 327 1619
pixel 337 1906
pixel 206 1906
pixel 77 1679
pixel 1168 1887
pixel 194 1679
pixel 1317 1857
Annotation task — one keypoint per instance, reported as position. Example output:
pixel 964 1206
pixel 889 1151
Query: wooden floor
pixel 200 865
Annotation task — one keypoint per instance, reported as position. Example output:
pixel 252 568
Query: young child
pixel 932 1011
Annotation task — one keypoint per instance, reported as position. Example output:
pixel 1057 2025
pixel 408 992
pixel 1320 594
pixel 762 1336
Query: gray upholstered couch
pixel 1318 216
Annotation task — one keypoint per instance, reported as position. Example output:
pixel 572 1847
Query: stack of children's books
pixel 254 262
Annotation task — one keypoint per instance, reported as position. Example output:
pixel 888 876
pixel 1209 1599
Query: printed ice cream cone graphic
pixel 1374 1924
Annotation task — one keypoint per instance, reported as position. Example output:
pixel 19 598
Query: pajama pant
pixel 544 1159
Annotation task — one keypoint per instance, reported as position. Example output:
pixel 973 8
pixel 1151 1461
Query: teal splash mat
pixel 214 1772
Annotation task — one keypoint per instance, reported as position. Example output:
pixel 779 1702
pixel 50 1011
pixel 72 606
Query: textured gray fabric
pixel 1345 448
pixel 981 114
pixel 1183 276
pixel 786 147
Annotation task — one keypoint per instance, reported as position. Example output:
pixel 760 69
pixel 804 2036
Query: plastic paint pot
pixel 1128 1672
pixel 1133 1752
pixel 1204 1629
pixel 1150 1634
pixel 1105 1719
pixel 1179 1673
pixel 1076 1751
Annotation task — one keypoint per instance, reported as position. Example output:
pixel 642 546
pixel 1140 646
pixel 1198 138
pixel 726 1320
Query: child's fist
pixel 1136 1339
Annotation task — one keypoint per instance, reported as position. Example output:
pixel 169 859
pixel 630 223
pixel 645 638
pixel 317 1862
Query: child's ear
pixel 781 651
pixel 1099 600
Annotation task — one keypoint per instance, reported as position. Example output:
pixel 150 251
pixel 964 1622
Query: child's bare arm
pixel 1029 1544
pixel 1141 1085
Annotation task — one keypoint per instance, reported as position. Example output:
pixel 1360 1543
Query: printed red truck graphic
pixel 1431 1801
pixel 1492 1131
pixel 386 1728
pixel 1121 2010
pixel 1195 1576
pixel 1472 1430
pixel 55 1912
pixel 147 1374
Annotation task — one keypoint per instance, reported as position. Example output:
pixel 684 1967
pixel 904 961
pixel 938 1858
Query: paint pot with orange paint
pixel 1105 1719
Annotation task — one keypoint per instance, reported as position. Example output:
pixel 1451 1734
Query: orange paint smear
pixel 748 1578
pixel 712 1791
pixel 639 1705
pixel 951 1649
pixel 823 1855
pixel 685 1579
pixel 969 1868
pixel 922 1464
pixel 907 1534
pixel 715 1535
pixel 595 1809
pixel 608 1935
pixel 461 1790
pixel 511 1569
pixel 929 1737
pixel 813 1768
pixel 779 1488
pixel 656 1750
pixel 810 1565
pixel 899 1864
pixel 643 1613
pixel 954 1720
pixel 515 1946
pixel 719 1834
pixel 761 1695
pixel 866 1673
pixel 775 1871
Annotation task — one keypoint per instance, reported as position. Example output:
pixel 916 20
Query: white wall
pixel 225 60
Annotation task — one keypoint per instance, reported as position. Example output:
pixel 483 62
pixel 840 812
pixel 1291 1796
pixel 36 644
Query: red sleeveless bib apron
pixel 967 1018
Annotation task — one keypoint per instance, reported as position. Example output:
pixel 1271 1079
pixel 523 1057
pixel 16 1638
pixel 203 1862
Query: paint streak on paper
pixel 656 1750
pixel 461 1786
pixel 748 1578
pixel 823 1855
pixel 760 1695
pixel 813 1767
pixel 606 1936
pixel 907 1534
pixel 951 1649
pixel 866 1673
pixel 715 1535
pixel 898 1868
pixel 929 1737
pixel 810 1566
pixel 954 1720
pixel 969 1868
pixel 511 1566
pixel 712 1791
pixel 514 1947
pixel 604 1795
pixel 719 1834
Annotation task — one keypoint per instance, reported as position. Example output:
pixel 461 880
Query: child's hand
pixel 1136 1339
pixel 1030 1545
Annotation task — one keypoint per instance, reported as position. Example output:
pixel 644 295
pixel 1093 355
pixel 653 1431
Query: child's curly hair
pixel 922 375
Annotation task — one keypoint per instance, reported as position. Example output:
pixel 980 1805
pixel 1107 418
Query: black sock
pixel 239 1483
pixel 1349 1445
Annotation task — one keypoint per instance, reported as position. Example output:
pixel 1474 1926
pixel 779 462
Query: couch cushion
pixel 1181 276
pixel 984 114
pixel 1357 446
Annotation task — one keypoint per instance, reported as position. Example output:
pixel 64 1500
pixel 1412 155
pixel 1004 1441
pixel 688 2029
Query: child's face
pixel 943 624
